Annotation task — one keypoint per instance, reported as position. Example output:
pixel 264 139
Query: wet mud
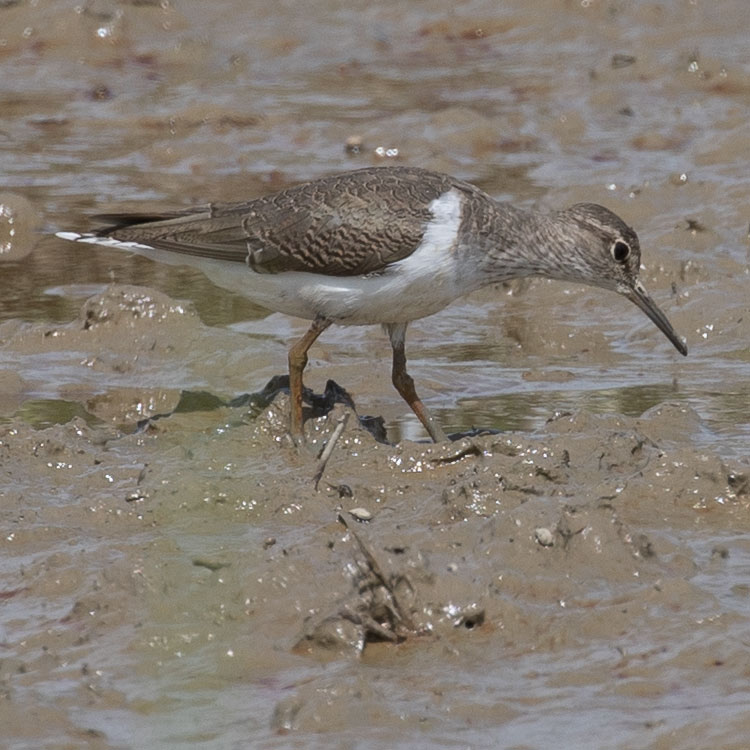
pixel 147 536
pixel 572 570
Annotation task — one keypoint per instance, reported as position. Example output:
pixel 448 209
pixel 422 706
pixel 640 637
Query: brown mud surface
pixel 574 573
pixel 194 546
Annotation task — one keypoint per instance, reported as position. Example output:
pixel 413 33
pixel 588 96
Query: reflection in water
pixel 45 412
pixel 527 411
pixel 51 284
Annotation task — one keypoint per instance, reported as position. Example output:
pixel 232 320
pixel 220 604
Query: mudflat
pixel 573 572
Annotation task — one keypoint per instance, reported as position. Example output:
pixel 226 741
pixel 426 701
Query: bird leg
pixel 297 362
pixel 404 383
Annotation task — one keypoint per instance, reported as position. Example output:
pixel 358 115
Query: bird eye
pixel 620 251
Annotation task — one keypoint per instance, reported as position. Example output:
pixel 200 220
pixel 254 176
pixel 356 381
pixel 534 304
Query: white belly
pixel 387 298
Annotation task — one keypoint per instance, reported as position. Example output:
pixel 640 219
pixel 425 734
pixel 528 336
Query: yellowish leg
pixel 297 363
pixel 404 383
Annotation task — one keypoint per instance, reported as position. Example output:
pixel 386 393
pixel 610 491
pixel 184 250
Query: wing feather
pixel 345 225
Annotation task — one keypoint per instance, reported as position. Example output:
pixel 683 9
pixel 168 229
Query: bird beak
pixel 638 295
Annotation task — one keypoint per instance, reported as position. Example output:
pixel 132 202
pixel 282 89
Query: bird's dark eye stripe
pixel 620 251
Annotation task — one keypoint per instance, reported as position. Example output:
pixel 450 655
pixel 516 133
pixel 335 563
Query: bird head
pixel 600 249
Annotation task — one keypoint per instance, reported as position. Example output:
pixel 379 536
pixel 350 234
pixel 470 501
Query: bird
pixel 382 245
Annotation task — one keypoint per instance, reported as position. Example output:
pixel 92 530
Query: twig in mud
pixel 377 572
pixel 326 452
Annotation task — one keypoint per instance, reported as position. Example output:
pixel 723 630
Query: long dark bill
pixel 640 297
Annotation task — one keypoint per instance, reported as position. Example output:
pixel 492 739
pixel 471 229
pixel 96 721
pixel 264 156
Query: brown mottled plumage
pixel 384 245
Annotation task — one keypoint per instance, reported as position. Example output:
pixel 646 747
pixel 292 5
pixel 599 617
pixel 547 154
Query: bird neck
pixel 513 243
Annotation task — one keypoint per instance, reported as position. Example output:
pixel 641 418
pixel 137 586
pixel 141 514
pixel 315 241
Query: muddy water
pixel 580 578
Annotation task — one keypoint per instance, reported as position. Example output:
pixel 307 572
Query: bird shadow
pixel 316 405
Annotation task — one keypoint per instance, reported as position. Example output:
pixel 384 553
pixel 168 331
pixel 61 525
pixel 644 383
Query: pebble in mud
pixel 360 514
pixel 544 536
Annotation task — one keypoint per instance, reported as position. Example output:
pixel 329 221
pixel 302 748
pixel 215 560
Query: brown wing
pixel 345 225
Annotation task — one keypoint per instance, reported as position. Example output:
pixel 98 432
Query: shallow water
pixel 114 631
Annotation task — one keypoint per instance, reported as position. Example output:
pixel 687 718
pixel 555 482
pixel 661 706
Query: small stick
pixel 326 452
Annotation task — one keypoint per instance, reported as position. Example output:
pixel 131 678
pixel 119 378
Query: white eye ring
pixel 620 251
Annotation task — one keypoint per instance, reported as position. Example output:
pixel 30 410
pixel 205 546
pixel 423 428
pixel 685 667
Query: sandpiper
pixel 383 245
